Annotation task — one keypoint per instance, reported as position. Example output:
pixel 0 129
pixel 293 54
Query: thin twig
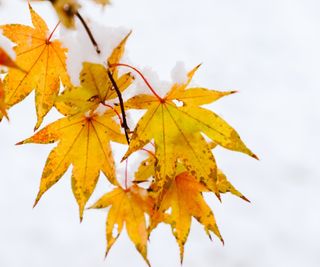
pixel 93 41
pixel 124 118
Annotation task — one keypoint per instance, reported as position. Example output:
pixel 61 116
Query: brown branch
pixel 93 41
pixel 124 118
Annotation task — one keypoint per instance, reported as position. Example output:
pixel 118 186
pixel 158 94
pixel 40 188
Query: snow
pixel 179 73
pixel 269 52
pixel 82 50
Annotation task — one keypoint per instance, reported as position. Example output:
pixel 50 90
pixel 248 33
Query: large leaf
pixel 177 133
pixel 84 142
pixel 43 60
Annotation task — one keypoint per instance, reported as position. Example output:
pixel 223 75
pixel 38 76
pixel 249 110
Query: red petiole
pixel 50 36
pixel 141 75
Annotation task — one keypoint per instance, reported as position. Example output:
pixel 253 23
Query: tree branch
pixel 93 41
pixel 124 119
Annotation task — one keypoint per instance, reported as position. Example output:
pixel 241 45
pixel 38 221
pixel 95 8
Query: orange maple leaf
pixel 43 60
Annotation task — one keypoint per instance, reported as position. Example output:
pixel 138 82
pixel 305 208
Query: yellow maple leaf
pixel 177 132
pixel 127 207
pixel 96 86
pixel 84 142
pixel 185 199
pixel 43 61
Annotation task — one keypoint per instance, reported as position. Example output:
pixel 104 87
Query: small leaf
pixel 186 201
pixel 127 207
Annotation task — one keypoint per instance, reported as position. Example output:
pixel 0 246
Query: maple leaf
pixel 44 63
pixel 84 142
pixel 185 199
pixel 127 207
pixel 96 86
pixel 177 132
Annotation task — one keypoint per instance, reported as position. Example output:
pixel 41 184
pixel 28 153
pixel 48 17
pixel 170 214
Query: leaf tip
pixel 81 215
pixel 245 199
pixel 198 66
pixel 106 253
pixel 20 143
pixel 219 197
pixel 37 200
pixel 127 36
pixel 255 156
pixel 36 127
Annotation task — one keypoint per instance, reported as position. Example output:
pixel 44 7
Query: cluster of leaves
pixel 169 185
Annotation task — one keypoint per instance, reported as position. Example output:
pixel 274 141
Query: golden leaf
pixel 177 133
pixel 84 142
pixel 43 61
pixel 185 199
pixel 127 207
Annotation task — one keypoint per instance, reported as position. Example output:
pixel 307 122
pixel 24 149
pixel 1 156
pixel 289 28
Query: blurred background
pixel 267 50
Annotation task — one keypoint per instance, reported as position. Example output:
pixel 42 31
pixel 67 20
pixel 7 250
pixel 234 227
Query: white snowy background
pixel 267 50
